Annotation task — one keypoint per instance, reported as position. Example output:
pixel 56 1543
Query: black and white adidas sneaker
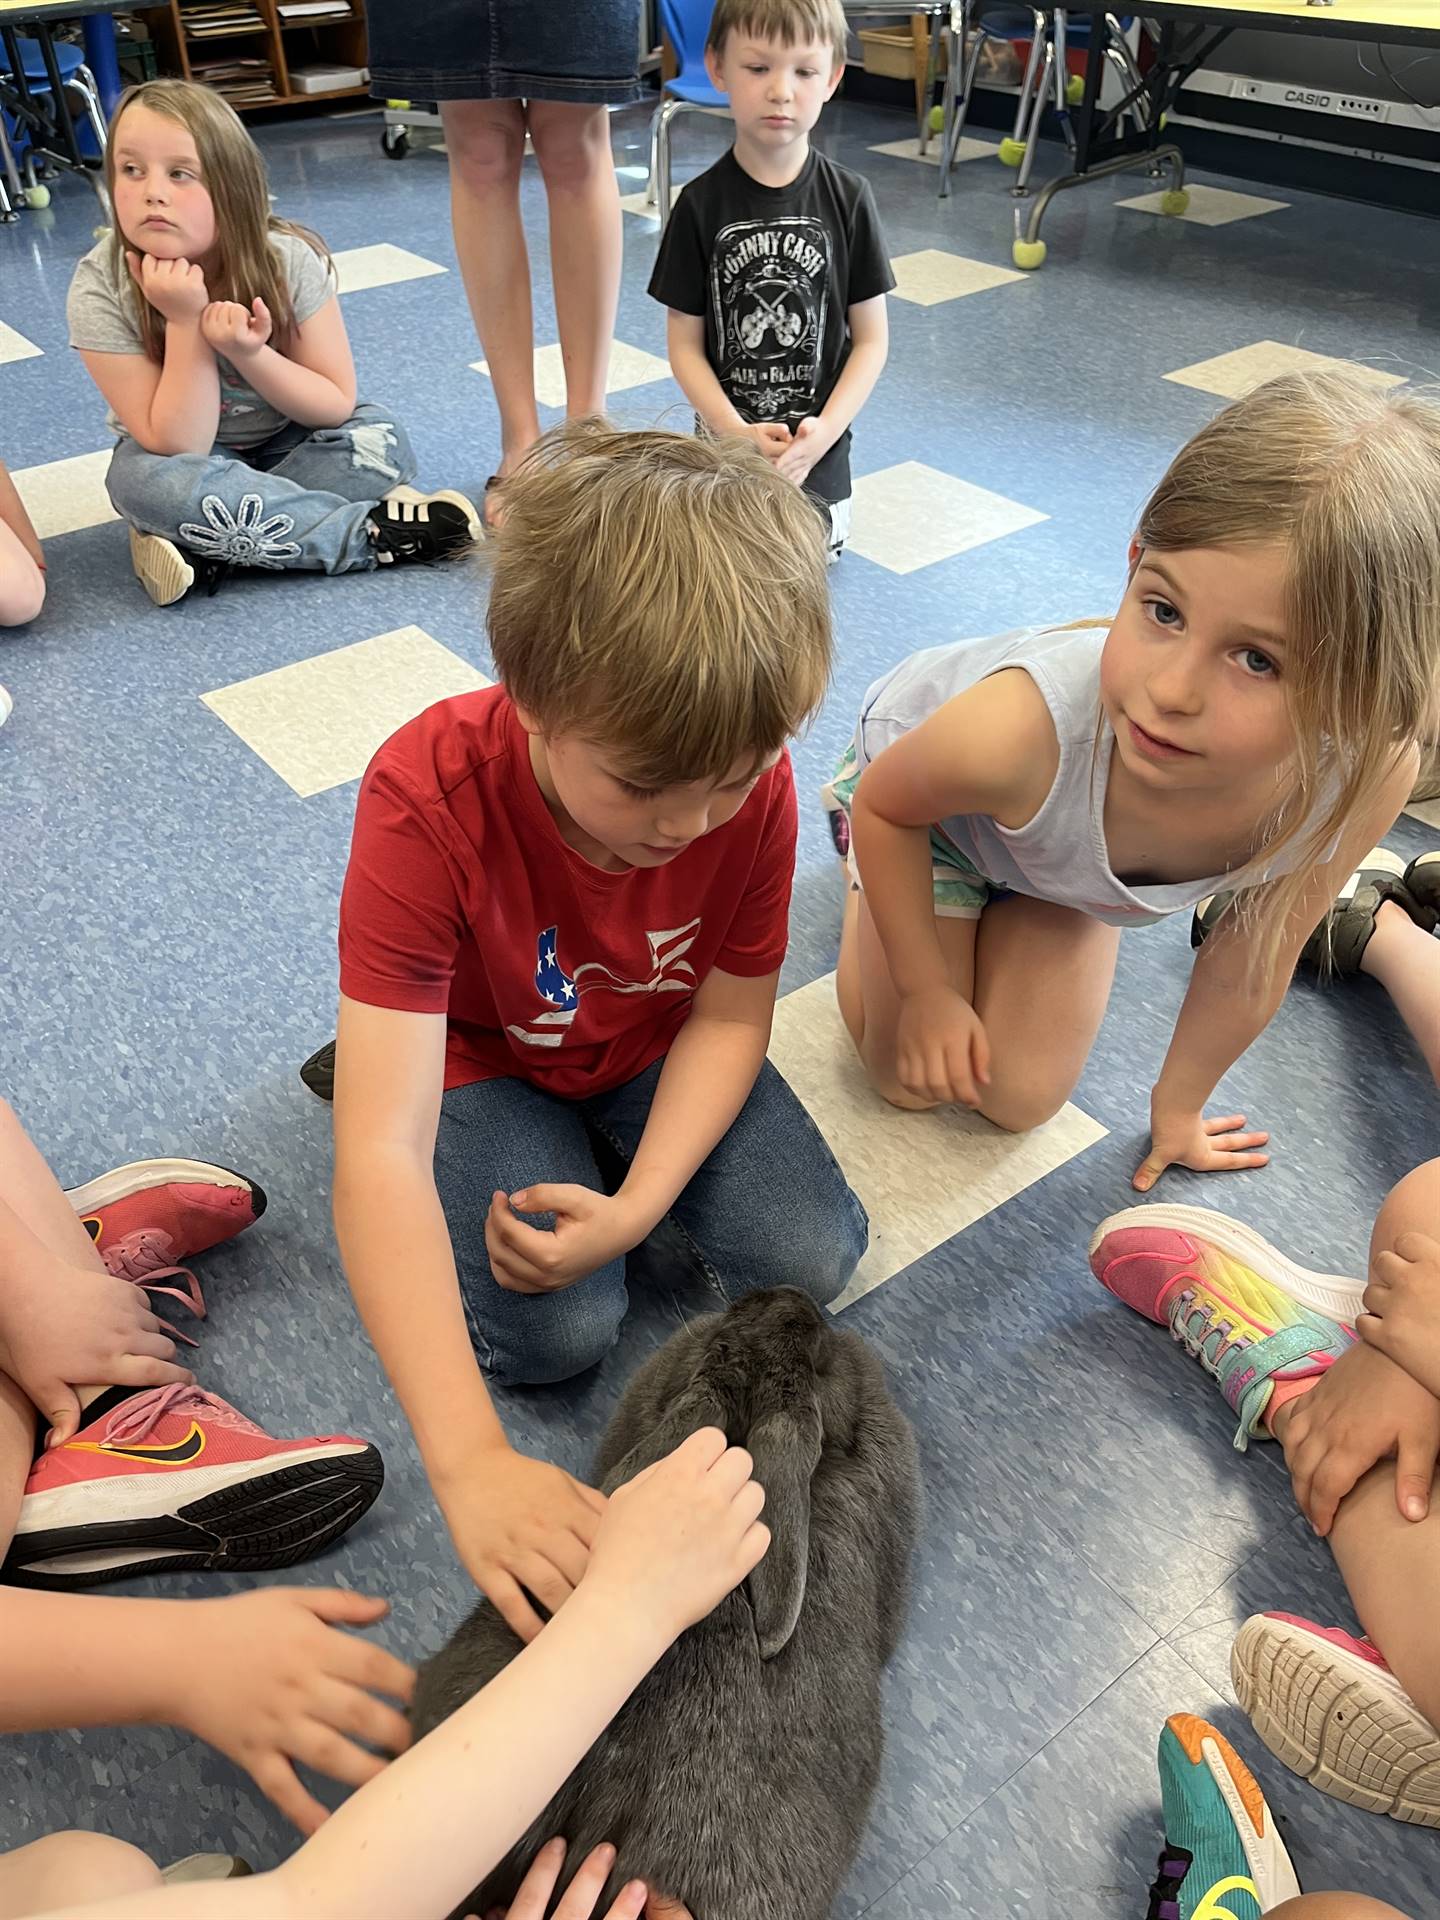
pixel 419 529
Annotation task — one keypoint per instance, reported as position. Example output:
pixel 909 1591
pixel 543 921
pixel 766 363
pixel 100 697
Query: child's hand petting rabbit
pixel 583 1894
pixel 236 332
pixel 692 1521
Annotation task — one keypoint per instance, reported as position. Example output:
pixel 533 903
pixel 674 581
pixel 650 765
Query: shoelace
pixel 1174 1863
pixel 137 1419
pixel 1204 1337
pixel 144 1258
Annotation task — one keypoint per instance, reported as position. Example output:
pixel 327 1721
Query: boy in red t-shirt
pixel 562 930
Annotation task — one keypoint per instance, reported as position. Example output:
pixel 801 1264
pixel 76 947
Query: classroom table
pixel 1187 33
pixel 45 115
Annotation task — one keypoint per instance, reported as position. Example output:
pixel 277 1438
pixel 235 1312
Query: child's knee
pixel 559 1346
pixel 1020 1109
pixel 22 595
pixel 68 1869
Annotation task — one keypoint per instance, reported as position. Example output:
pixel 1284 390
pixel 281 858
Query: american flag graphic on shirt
pixel 670 972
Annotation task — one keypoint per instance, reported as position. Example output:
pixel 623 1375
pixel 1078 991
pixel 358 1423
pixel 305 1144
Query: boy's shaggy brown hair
pixel 663 596
pixel 791 22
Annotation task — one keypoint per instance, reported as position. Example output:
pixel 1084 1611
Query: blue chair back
pixel 685 24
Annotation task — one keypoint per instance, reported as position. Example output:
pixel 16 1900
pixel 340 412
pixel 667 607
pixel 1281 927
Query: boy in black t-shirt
pixel 772 265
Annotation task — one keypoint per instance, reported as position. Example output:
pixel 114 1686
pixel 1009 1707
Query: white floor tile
pixel 636 203
pixel 909 516
pixel 629 367
pixel 910 149
pixel 317 723
pixel 14 346
pixel 65 495
pixel 1233 375
pixel 381 266
pixel 931 276
pixel 1209 206
pixel 923 1177
pixel 1426 810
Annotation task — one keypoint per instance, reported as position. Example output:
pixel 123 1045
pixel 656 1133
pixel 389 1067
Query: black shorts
pixel 586 52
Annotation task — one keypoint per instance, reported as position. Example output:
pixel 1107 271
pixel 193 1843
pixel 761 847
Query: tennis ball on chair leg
pixel 937 119
pixel 1028 254
pixel 1174 200
pixel 1012 152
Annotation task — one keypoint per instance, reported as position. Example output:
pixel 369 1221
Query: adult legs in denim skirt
pixel 769 1207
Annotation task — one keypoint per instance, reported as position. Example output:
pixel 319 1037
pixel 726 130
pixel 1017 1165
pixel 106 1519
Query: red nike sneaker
pixel 150 1216
pixel 174 1480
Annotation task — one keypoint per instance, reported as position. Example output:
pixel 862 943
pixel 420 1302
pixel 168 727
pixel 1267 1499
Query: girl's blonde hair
pixel 663 596
pixel 1346 478
pixel 233 174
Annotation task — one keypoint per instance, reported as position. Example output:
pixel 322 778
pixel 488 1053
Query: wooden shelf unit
pixel 285 43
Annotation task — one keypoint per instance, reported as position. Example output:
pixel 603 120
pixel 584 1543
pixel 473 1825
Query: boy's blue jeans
pixel 769 1207
pixel 300 500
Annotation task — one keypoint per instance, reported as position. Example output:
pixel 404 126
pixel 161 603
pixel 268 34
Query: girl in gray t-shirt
pixel 1247 721
pixel 213 330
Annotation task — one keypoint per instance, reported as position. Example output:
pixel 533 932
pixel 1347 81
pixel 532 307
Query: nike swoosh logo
pixel 175 1455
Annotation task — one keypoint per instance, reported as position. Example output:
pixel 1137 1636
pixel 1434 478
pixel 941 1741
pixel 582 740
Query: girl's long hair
pixel 1345 478
pixel 233 174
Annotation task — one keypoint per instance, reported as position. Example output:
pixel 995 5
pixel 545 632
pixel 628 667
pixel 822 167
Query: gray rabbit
pixel 739 1776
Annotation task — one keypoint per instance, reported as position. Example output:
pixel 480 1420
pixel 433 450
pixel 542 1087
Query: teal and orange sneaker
pixel 1223 1858
pixel 1325 1702
pixel 1251 1317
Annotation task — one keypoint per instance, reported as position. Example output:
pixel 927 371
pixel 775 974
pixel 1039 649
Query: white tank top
pixel 1060 854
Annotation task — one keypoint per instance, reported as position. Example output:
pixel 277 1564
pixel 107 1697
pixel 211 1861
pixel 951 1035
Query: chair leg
pixel 654 155
pixel 662 156
pixel 91 101
pixel 1022 105
pixel 1032 136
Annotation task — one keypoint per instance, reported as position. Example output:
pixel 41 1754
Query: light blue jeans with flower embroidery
pixel 301 499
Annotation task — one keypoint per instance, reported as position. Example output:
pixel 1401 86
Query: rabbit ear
pixel 786 1450
pixel 698 1406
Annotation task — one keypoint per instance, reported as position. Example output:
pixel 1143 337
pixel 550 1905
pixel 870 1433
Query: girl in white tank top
pixel 1249 720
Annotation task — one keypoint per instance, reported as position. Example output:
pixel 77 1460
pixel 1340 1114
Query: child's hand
pixel 520 1524
pixel 1364 1409
pixel 236 332
pixel 590 1230
pixel 682 1534
pixel 1402 1307
pixel 1205 1146
pixel 175 288
pixel 771 436
pixel 63 1327
pixel 809 443
pixel 266 1679
pixel 532 1902
pixel 941 1049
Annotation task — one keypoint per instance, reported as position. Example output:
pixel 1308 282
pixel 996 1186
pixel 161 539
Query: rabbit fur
pixel 739 1776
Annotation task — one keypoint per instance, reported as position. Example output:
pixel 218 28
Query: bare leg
pixel 1406 961
pixel 31 1190
pixel 1021 954
pixel 1391 1565
pixel 572 145
pixel 71 1870
pixel 1334 1906
pixel 869 1004
pixel 486 139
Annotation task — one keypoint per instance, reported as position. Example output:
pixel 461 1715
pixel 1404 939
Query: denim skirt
pixel 583 51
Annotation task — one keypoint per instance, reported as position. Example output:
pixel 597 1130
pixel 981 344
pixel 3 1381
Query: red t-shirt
pixel 462 898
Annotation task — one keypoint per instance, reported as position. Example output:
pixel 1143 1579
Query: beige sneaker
pixel 160 567
pixel 205 1866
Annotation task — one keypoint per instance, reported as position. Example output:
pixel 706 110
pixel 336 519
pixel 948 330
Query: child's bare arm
pixel 14 516
pixel 416 1839
pixel 264 1677
pixel 515 1521
pixel 312 382
pixel 1230 1002
pixel 685 340
pixel 991 750
pixel 173 407
pixel 869 350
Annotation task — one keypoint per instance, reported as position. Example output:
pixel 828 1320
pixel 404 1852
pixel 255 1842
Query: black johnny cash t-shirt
pixel 774 271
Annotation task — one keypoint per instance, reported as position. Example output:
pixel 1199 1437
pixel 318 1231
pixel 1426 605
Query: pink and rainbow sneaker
pixel 1251 1317
pixel 173 1479
pixel 1328 1706
pixel 149 1217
